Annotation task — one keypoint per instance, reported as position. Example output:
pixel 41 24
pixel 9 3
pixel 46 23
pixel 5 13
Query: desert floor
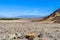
pixel 49 31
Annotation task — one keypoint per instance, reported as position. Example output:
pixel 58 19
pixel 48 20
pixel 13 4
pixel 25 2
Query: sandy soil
pixel 50 31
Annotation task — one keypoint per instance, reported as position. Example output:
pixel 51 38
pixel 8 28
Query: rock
pixel 40 35
pixel 19 35
pixel 3 37
pixel 49 35
pixel 30 36
pixel 12 36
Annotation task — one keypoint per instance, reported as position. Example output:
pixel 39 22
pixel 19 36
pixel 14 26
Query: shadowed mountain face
pixel 55 16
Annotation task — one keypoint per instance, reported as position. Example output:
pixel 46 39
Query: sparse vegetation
pixel 8 18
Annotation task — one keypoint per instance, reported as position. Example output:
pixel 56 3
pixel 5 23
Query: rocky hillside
pixel 55 17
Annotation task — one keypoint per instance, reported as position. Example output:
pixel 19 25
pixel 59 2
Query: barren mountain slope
pixel 55 17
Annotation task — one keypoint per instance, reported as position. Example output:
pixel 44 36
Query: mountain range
pixel 30 16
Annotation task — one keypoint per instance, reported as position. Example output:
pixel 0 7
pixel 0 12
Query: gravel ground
pixel 8 30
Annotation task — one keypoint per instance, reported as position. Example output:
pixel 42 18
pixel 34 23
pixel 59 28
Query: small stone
pixel 12 36
pixel 40 35
pixel 49 35
pixel 55 39
pixel 19 35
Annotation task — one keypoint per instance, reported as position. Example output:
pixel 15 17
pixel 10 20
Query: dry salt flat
pixel 18 30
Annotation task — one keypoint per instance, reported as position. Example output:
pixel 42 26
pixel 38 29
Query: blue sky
pixel 12 8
